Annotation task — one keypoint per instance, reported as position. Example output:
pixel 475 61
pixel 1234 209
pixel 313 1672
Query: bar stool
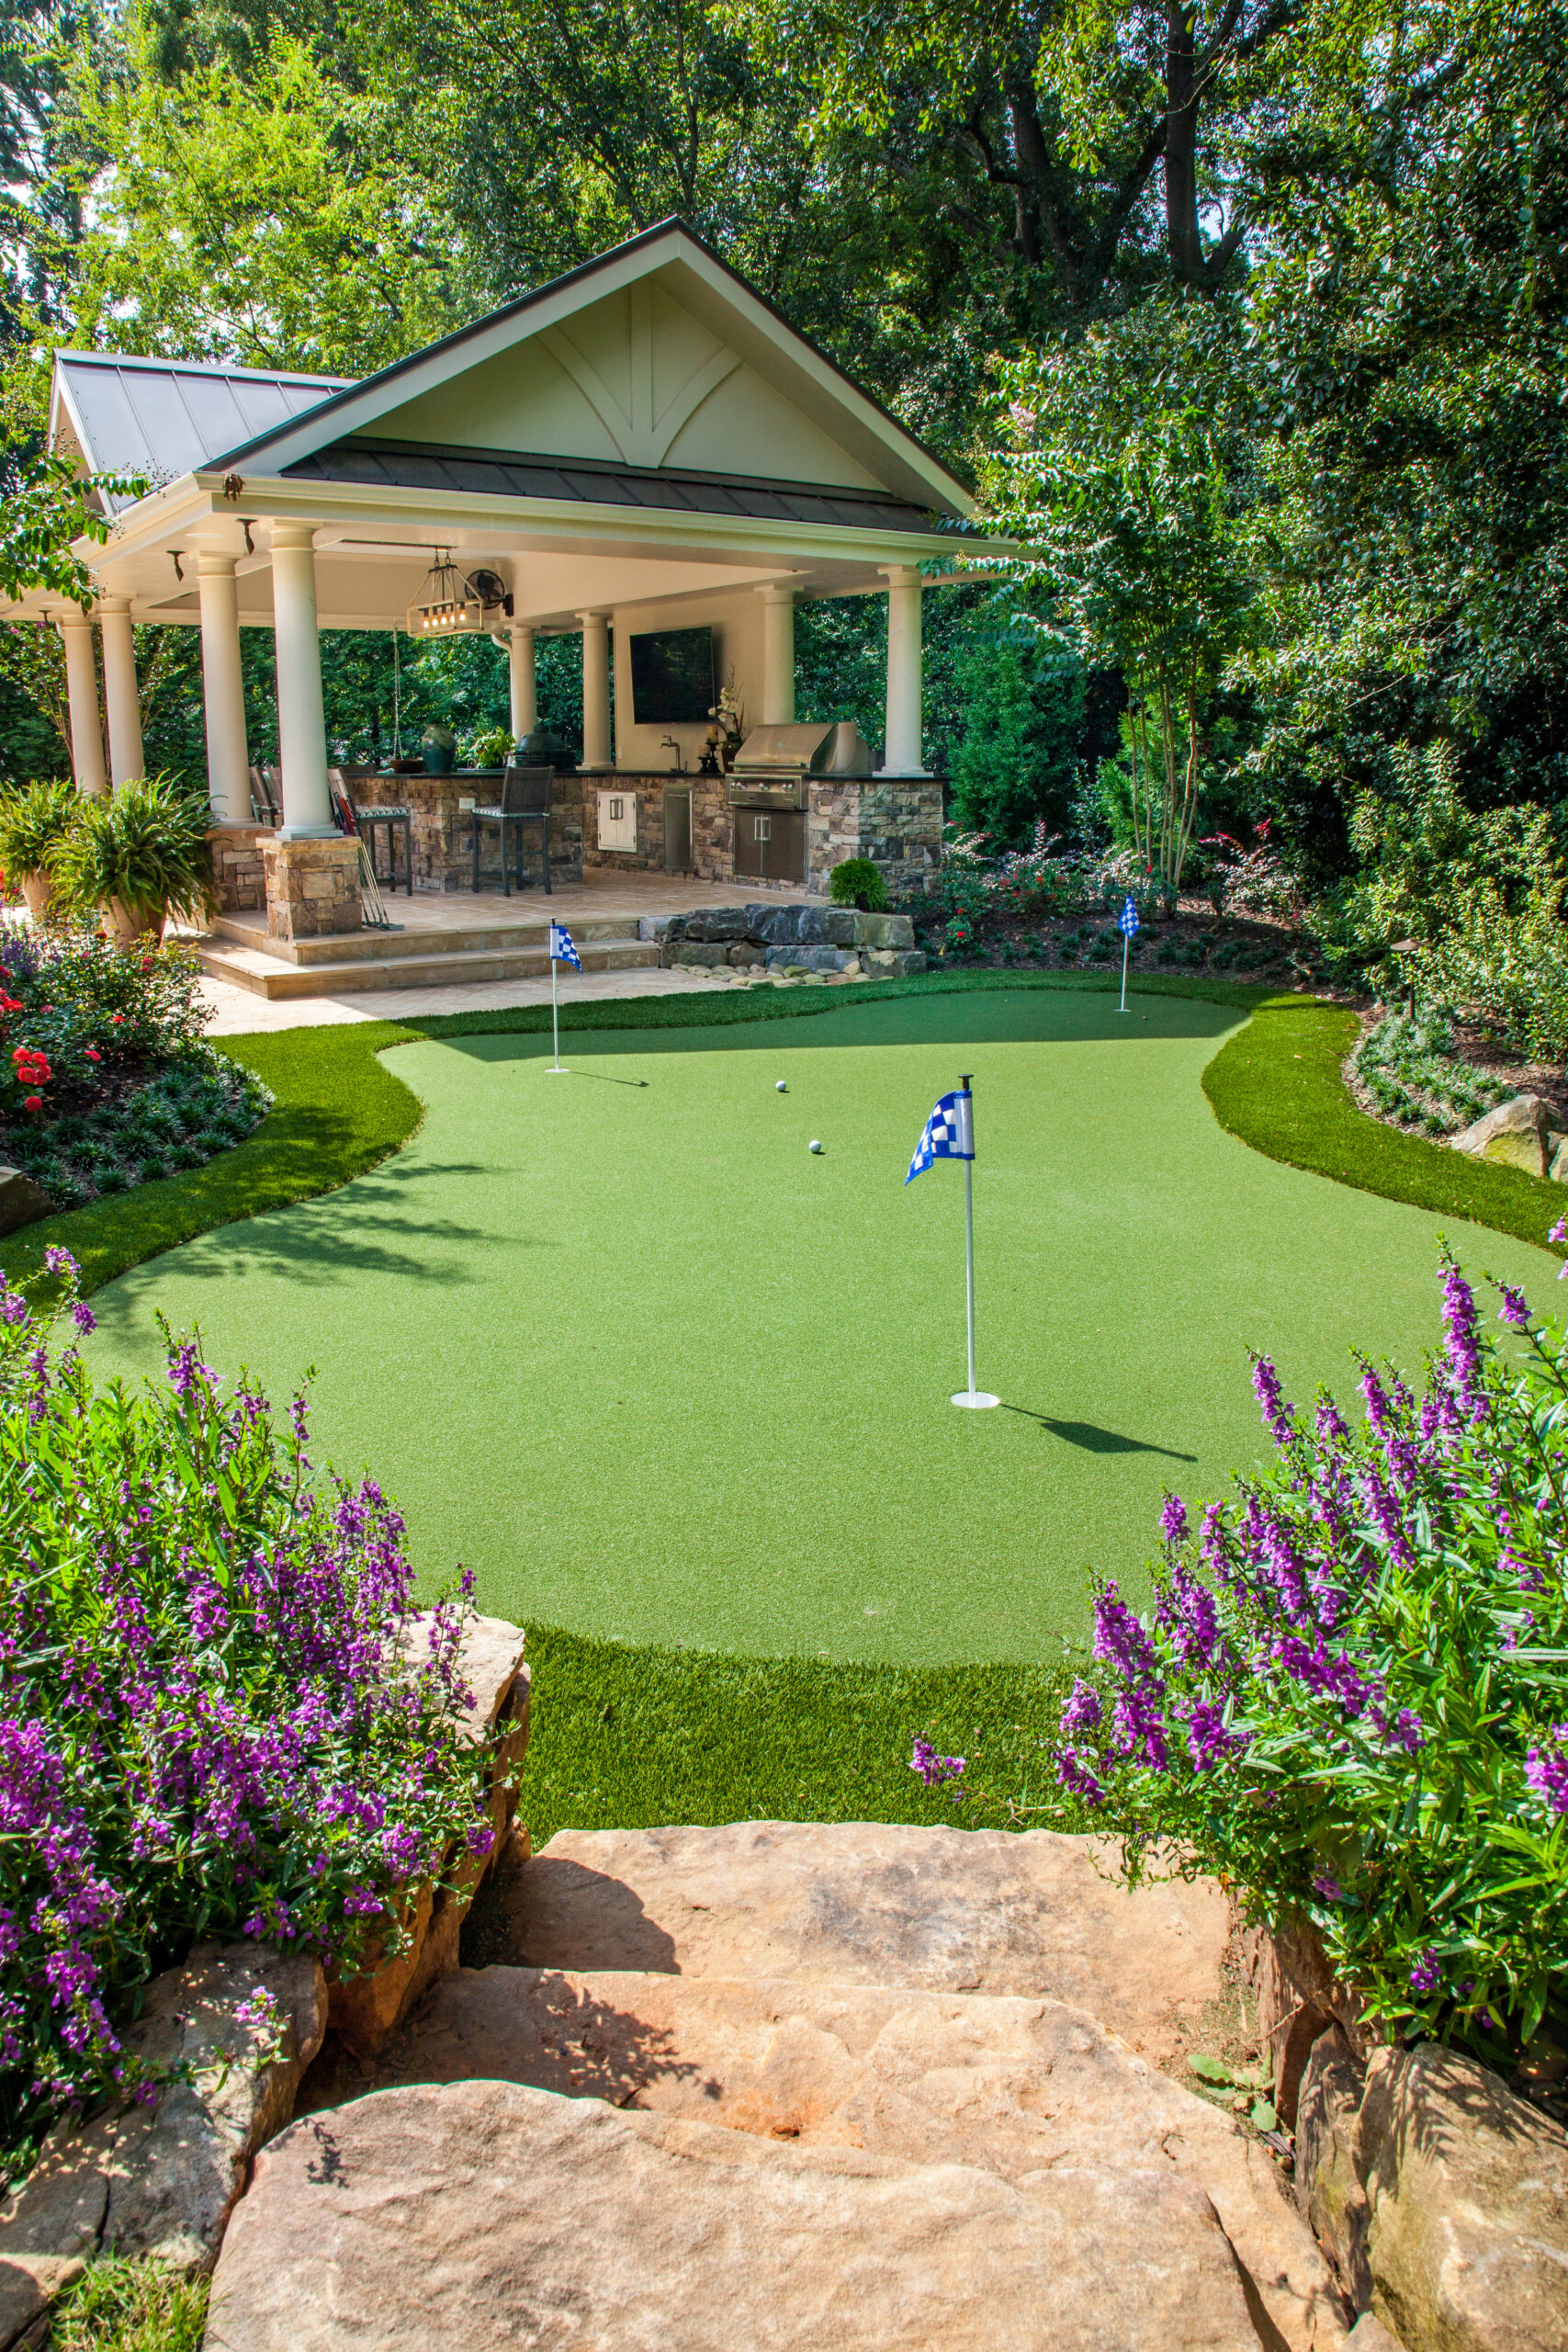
pixel 525 800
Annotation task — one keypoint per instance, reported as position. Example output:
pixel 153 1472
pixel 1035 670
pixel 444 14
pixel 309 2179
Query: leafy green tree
pixel 1018 759
pixel 265 216
pixel 1120 477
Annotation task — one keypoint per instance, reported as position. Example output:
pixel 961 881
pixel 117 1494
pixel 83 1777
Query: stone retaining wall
pixel 792 938
pixel 312 887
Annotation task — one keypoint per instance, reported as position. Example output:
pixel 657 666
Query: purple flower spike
pixel 1278 1417
pixel 1546 1769
pixel 933 1769
pixel 1173 1520
pixel 1513 1309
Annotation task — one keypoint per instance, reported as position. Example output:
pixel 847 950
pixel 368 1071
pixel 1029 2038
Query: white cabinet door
pixel 618 821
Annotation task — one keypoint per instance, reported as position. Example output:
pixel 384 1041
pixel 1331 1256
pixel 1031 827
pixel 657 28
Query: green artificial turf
pixel 340 1109
pixel 1278 1086
pixel 627 1737
pixel 620 1344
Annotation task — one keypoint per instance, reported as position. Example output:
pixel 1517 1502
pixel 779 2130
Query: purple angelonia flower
pixel 1278 1417
pixel 1546 1769
pixel 1426 1975
pixel 1514 1310
pixel 1082 1711
pixel 1076 1777
pixel 933 1769
pixel 1173 1520
pixel 1328 1888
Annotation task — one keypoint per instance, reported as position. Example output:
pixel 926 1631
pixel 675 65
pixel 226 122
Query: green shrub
pixel 858 882
pixel 1351 1700
pixel 1408 1069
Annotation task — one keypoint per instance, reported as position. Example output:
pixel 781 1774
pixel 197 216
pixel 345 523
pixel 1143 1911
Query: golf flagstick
pixel 949 1133
pixel 563 952
pixel 1126 923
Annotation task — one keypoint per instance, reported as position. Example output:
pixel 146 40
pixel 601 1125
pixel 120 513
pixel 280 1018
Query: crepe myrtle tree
pixel 1118 470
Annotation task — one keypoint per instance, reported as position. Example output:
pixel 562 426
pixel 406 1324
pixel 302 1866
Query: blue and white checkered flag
pixel 949 1134
pixel 1127 920
pixel 561 949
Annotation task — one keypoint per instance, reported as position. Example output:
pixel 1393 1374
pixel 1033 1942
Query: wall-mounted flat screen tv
pixel 671 676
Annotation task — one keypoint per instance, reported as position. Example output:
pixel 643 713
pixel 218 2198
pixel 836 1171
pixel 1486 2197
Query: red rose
pixel 93 1054
pixel 117 1016
pixel 33 1102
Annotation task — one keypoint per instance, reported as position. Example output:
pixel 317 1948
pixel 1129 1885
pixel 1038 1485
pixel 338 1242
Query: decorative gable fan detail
pixel 452 603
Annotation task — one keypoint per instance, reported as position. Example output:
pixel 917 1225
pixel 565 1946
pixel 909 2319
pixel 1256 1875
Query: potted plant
pixel 33 825
pixel 138 855
pixel 440 748
pixel 493 747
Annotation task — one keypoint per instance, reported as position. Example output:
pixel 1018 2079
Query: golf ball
pixel 814 1145
pixel 780 1087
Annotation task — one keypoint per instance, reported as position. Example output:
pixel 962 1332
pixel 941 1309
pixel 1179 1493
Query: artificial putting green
pixel 621 1344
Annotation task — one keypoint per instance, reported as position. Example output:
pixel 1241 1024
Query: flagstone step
pixel 1011 2085
pixel 414 937
pixel 269 977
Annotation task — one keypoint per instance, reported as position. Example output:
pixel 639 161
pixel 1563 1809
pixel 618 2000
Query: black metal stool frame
pixel 525 800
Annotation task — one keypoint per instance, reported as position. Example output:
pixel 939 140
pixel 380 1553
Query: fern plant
pixel 138 853
pixel 33 826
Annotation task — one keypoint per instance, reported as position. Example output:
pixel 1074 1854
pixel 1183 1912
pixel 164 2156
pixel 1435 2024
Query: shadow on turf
pixel 1091 1439
pixel 370 1227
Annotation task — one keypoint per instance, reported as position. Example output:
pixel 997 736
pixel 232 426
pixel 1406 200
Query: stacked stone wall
pixel 239 877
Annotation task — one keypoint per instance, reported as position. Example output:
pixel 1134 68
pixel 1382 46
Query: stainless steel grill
pixel 773 764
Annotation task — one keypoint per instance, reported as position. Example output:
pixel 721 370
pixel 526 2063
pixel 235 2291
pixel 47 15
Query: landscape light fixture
pixel 451 604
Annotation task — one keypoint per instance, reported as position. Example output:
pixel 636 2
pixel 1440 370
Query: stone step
pixel 415 936
pixel 1011 2085
pixel 264 975
pixel 478 2214
pixel 950 1910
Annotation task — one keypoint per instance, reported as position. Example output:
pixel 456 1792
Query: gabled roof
pixel 167 417
pixel 707 284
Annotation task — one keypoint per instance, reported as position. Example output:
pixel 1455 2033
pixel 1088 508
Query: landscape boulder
pixel 485 2213
pixel 1518 1134
pixel 808 959
pixel 718 922
pixel 1441 2199
pixel 828 926
pixel 856 1903
pixel 365 2008
pixel 1011 2085
pixel 163 2178
pixel 21 1201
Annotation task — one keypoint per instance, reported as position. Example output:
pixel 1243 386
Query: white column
pixel 301 720
pixel 596 752
pixel 520 661
pixel 901 752
pixel 778 656
pixel 223 691
pixel 82 693
pixel 121 698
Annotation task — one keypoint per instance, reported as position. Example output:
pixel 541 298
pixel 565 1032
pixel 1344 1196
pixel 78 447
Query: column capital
pixel 293 537
pixel 70 617
pixel 902 575
pixel 211 563
pixel 778 592
pixel 590 617
pixel 113 604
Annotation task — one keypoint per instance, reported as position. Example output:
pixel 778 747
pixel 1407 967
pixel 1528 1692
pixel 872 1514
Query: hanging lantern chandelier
pixel 451 604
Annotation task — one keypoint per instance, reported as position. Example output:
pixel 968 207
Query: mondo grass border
pixel 340 1110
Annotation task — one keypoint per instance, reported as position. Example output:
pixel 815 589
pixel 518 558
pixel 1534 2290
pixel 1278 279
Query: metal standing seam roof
pixel 401 465
pixel 163 418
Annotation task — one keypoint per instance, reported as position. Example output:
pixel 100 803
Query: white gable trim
pixel 739 319
pixel 642 436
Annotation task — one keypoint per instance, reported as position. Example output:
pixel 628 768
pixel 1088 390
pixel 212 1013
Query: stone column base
pixel 237 866
pixel 312 887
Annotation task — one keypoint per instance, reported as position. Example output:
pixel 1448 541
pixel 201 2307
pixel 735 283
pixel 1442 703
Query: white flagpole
pixel 555 1022
pixel 974 1399
pixel 1126 943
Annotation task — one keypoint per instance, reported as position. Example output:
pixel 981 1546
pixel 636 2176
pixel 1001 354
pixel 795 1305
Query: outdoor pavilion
pixel 645 443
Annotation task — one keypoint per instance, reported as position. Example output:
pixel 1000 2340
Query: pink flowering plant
pixel 220 1712
pixel 1349 1697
